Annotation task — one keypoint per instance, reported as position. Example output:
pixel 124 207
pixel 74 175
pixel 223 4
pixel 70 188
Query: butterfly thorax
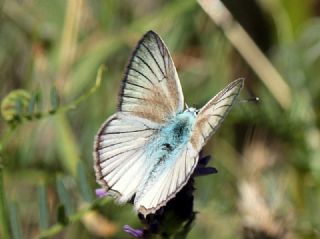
pixel 172 137
pixel 177 131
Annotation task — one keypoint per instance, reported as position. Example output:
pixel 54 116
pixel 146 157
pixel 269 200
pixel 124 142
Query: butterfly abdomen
pixel 163 152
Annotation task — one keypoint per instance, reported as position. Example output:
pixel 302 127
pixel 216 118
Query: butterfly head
pixel 192 110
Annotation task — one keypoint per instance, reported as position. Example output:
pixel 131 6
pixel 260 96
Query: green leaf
pixel 54 98
pixel 38 104
pixel 85 189
pixel 43 207
pixel 15 222
pixel 14 105
pixel 64 196
pixel 4 224
pixel 31 105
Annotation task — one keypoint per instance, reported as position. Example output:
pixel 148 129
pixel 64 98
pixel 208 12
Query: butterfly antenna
pixel 253 99
pixel 186 105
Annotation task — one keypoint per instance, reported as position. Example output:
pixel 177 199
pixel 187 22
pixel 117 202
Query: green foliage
pixel 43 208
pixel 54 99
pixel 16 105
pixel 83 182
pixel 66 208
pixel 20 105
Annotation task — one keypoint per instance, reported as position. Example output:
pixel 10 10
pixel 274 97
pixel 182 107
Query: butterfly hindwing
pixel 151 88
pixel 120 161
pixel 213 113
pixel 168 183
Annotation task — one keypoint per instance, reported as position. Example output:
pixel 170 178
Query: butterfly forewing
pixel 150 95
pixel 213 113
pixel 151 87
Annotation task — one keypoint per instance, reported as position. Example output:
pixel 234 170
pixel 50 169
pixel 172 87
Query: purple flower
pixel 201 169
pixel 138 233
pixel 204 171
pixel 101 192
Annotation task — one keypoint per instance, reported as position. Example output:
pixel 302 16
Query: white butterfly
pixel 149 148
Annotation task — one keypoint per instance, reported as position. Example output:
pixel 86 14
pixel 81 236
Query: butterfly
pixel 147 151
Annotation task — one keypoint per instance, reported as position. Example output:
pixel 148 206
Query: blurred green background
pixel 267 155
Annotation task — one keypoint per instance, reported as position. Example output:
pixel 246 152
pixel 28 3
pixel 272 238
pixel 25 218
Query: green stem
pixel 76 102
pixel 5 138
pixel 56 228
pixel 83 97
pixel 4 223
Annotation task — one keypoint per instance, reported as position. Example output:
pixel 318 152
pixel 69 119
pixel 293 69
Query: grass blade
pixel 15 222
pixel 64 197
pixel 84 185
pixel 43 207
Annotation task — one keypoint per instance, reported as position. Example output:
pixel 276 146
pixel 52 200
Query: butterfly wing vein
pixel 150 96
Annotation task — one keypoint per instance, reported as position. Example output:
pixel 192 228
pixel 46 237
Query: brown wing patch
pixel 151 87
pixel 155 104
pixel 213 113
